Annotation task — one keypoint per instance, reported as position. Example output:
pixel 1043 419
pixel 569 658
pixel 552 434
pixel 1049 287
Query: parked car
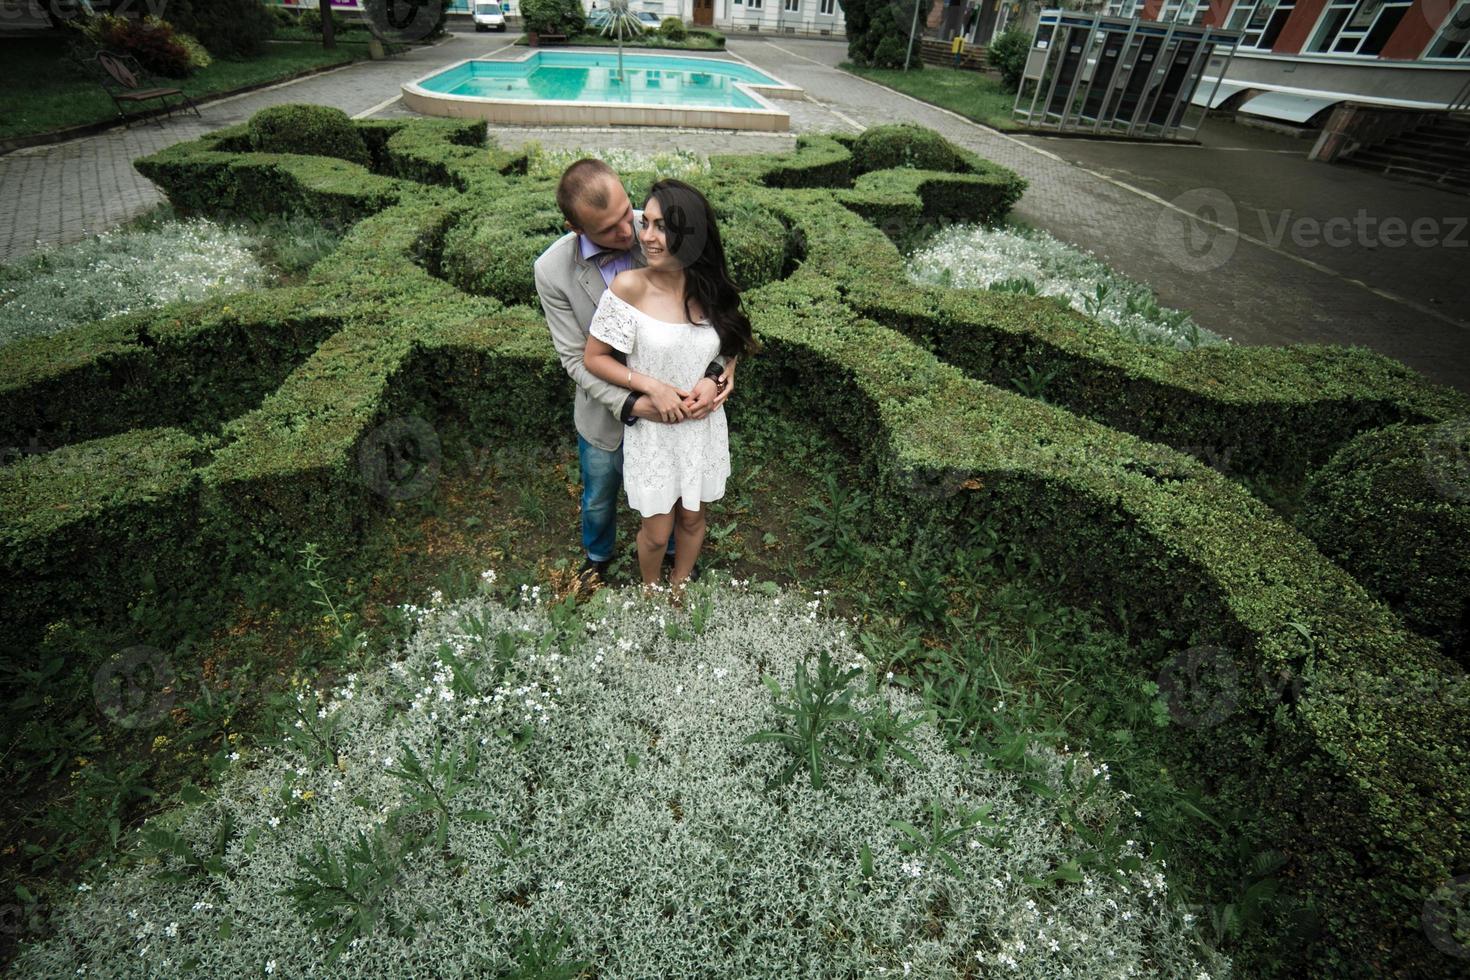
pixel 488 15
pixel 596 19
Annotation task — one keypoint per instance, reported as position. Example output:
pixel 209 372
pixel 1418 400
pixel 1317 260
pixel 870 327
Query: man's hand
pixel 645 409
pixel 729 378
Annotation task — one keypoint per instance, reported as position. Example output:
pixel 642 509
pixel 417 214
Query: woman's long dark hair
pixel 693 239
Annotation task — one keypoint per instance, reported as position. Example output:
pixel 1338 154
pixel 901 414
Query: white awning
pixel 1207 90
pixel 1287 107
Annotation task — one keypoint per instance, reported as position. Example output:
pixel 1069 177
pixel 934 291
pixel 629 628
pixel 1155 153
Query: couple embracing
pixel 646 321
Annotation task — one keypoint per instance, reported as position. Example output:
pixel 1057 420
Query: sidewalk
pixel 62 192
pixel 1352 283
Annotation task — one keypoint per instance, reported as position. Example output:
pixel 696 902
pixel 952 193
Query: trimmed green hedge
pixel 192 365
pixel 1277 411
pixel 315 130
pixel 1393 508
pixel 1332 737
pixel 902 145
pixel 128 505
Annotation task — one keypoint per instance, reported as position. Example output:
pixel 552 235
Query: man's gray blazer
pixel 570 287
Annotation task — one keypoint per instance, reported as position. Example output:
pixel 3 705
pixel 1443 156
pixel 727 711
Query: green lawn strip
pixel 973 95
pixel 46 92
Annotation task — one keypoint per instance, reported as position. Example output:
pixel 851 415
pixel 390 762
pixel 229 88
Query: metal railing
pixel 1461 102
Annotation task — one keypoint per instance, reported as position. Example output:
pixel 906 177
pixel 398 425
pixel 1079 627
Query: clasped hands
pixel 671 404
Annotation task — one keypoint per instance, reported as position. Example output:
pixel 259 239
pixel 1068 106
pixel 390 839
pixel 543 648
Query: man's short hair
pixel 582 184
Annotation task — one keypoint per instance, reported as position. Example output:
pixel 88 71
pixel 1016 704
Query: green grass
pixel 46 92
pixel 973 95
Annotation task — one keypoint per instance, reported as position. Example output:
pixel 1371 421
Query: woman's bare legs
pixel 653 541
pixel 688 539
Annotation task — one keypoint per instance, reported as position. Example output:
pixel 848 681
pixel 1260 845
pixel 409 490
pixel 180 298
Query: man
pixel 571 276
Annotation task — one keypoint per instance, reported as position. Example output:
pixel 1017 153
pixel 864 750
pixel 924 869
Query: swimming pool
pixel 583 88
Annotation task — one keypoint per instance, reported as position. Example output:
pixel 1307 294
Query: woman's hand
pixel 668 402
pixel 702 401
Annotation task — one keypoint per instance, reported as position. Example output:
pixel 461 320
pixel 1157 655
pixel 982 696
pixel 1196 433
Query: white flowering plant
pixel 512 791
pixel 1014 259
pixel 59 287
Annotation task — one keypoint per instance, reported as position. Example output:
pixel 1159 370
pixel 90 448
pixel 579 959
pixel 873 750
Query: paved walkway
pixel 1268 267
pixel 62 192
pixel 1118 200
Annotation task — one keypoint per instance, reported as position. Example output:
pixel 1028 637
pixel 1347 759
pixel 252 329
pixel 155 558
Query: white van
pixel 488 15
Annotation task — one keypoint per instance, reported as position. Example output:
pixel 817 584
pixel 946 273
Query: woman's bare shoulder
pixel 628 285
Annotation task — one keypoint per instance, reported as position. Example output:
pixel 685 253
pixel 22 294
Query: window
pixel 1453 39
pixel 1184 11
pixel 1359 27
pixel 1125 8
pixel 754 4
pixel 1260 21
pixel 826 7
pixel 790 6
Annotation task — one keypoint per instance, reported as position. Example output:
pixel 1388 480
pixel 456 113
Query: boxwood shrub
pixel 1393 508
pixel 316 130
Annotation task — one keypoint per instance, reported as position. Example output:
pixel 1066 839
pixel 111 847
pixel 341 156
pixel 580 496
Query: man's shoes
pixel 591 569
pixel 668 567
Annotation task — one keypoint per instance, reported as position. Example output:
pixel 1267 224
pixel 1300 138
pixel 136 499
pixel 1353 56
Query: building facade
pixel 1408 53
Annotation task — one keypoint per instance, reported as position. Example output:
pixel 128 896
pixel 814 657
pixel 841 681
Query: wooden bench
pixel 123 78
pixel 544 39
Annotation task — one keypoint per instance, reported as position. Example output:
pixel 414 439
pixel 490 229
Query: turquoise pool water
pixel 584 76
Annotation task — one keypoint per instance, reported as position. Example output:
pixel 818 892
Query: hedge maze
pixel 189 445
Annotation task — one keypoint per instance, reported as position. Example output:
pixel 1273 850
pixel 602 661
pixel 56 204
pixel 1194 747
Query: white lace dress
pixel 666 462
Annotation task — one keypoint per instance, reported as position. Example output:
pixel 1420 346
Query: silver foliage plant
pixel 633 814
pixel 59 287
pixel 1030 260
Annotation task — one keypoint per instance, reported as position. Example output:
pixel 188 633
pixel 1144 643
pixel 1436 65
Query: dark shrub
pixel 316 130
pixel 903 145
pixel 673 28
pixel 1007 55
pixel 554 16
pixel 311 20
pixel 158 49
pixel 1393 508
pixel 227 28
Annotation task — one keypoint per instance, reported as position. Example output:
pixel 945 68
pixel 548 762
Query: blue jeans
pixel 602 479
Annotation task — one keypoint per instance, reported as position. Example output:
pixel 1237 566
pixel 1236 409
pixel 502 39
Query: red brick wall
pixel 1415 30
pixel 1299 27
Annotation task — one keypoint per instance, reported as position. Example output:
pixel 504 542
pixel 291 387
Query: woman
pixel 670 318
